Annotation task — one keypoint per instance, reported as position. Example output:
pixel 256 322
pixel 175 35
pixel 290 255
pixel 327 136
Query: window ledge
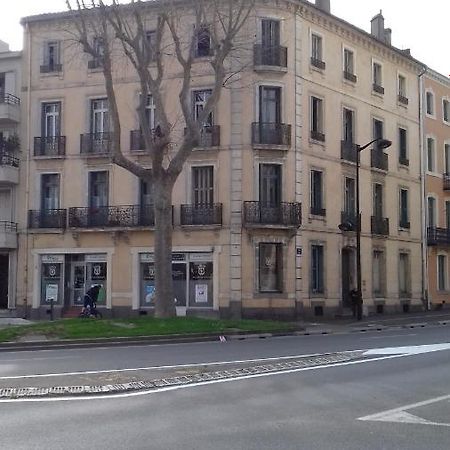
pixel 316 142
pixel 271 147
pixel 270 294
pixel 265 68
pixel 446 122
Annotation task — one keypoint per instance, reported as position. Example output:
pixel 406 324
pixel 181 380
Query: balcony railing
pixel 403 161
pixel 9 99
pixel 202 214
pixel 112 216
pixel 446 181
pixel 318 211
pixel 47 218
pixel 379 159
pixel 6 159
pixel 350 76
pixel 402 99
pixel 136 140
pixel 377 88
pixel 50 146
pixel 51 68
pixel 8 227
pixel 95 144
pixel 284 214
pixel 349 220
pixel 317 136
pixel 264 133
pixel 349 151
pixel 438 236
pixel 318 63
pixel 380 225
pixel 209 136
pixel 269 56
pixel 404 223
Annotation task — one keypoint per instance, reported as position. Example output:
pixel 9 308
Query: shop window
pixel 270 267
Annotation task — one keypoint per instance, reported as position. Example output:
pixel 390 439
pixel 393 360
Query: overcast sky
pixel 420 25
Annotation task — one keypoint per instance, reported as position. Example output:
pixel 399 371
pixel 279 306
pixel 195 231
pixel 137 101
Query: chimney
pixel 387 36
pixel 377 26
pixel 324 5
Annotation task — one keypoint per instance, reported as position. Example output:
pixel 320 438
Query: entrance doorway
pixel 79 283
pixel 4 280
pixel 347 276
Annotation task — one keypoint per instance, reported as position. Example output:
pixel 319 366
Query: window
pixel 402 147
pixel 447 159
pixel 442 272
pixel 431 212
pixel 402 95
pixel 270 267
pixel 447 215
pixel 199 102
pixel 269 104
pixel 150 39
pixel 446 110
pixel 404 275
pixel 203 42
pixel 98 189
pixel 377 78
pixel 350 196
pixel 317 207
pixel 430 103
pixel 317 269
pixel 317 125
pixel 99 116
pixel 203 186
pixel 99 51
pixel 378 200
pixel 317 51
pixel 51 61
pixel 431 156
pixel 270 185
pixel 146 193
pixel 269 52
pixel 349 65
pixel 270 34
pixel 348 125
pixel 403 209
pixel 50 119
pixel 378 273
pixel 150 110
pixel 49 191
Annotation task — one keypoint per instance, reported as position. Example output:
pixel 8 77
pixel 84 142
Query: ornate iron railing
pixel 380 225
pixel 271 134
pixel 349 151
pixel 318 63
pixel 284 214
pixel 377 88
pixel 403 223
pixel 7 159
pixel 403 161
pixel 95 143
pixel 402 99
pixel 349 220
pixel 202 214
pixel 209 136
pixel 446 181
pixel 318 211
pixel 317 136
pixel 350 76
pixel 270 56
pixel 51 68
pixel 9 227
pixel 47 218
pixel 379 159
pixel 9 99
pixel 50 146
pixel 438 236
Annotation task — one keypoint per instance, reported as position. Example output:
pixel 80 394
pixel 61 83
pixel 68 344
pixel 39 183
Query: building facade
pixel 282 141
pixel 10 84
pixel 436 146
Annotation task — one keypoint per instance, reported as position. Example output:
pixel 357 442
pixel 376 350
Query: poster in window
pixel 201 293
pixel 149 294
pixel 52 271
pixel 98 271
pixel 51 293
pixel 201 270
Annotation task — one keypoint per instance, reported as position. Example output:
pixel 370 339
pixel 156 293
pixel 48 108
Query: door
pixel 269 114
pixel 270 41
pixel 100 125
pixel 5 205
pixel 4 280
pixel 270 193
pixel 50 200
pixel 98 198
pixel 179 277
pixel 78 278
pixel 346 277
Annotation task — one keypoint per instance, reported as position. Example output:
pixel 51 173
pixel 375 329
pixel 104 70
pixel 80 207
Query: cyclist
pixel 90 298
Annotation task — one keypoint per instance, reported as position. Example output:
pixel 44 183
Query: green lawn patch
pixel 142 326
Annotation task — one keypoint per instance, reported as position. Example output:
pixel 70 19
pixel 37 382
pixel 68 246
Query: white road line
pixel 387 337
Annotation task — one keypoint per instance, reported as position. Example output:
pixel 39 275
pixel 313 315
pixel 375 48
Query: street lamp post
pixel 382 144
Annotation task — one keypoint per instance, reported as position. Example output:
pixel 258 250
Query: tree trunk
pixel 164 301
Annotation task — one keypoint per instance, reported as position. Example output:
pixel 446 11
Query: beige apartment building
pixel 258 206
pixel 10 84
pixel 436 138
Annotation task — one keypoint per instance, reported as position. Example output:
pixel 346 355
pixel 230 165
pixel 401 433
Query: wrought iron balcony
pixel 9 99
pixel 438 236
pixel 6 226
pixel 349 151
pixel 349 220
pixel 380 225
pixel 275 56
pixel 95 144
pixel 402 99
pixel 6 159
pixel 446 181
pixel 50 146
pixel 284 214
pixel 8 234
pixel 403 161
pixel 112 216
pixel 51 68
pixel 379 159
pixel 265 133
pixel 318 63
pixel 209 136
pixel 350 76
pixel 318 211
pixel 9 108
pixel 202 214
pixel 317 136
pixel 47 218
pixel 404 223
pixel 377 88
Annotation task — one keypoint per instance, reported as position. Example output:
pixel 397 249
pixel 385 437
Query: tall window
pixel 317 122
pixel 49 191
pixel 350 196
pixel 348 125
pixel 98 189
pixel 99 50
pixel 146 193
pixel 203 185
pixel 317 203
pixel 316 47
pixel 270 267
pixel 51 121
pixel 150 112
pixel 447 215
pixel 447 158
pixel 429 97
pixel 403 209
pixel 402 86
pixel 270 185
pixel 317 269
pixel 99 116
pixel 199 102
pixel 377 75
pixel 402 146
pixel 378 200
pixel 203 41
pixel 378 273
pixel 442 272
pixel 270 34
pixel 403 274
pixel 51 57
pixel 431 155
pixel 446 110
pixel 349 62
pixel 269 104
pixel 150 40
pixel 431 212
pixel 377 129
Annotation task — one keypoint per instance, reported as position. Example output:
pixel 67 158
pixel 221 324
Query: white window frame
pixel 446 100
pixel 282 100
pixel 375 61
pixel 435 212
pixel 189 180
pixel 352 50
pixel 403 127
pixel 433 170
pixel 431 115
pixel 322 45
pixel 321 113
pixel 400 76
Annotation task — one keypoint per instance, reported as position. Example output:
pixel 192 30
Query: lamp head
pixel 384 143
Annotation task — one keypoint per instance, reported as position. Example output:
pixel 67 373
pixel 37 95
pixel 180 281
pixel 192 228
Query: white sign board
pixel 201 293
pixel 51 293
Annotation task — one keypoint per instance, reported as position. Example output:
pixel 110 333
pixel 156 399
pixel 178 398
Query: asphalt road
pixel 347 406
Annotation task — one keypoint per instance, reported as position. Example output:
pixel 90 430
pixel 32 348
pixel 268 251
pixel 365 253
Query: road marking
pixel 387 337
pixel 409 350
pixel 400 415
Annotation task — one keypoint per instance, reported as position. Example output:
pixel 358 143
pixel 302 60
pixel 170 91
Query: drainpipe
pixel 424 246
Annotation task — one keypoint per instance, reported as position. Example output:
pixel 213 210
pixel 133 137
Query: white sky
pixel 421 25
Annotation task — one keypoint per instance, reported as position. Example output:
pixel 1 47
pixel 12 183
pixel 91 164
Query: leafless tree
pixel 122 28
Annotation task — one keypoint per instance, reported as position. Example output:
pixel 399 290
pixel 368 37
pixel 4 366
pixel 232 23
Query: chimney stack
pixel 387 35
pixel 378 31
pixel 324 5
